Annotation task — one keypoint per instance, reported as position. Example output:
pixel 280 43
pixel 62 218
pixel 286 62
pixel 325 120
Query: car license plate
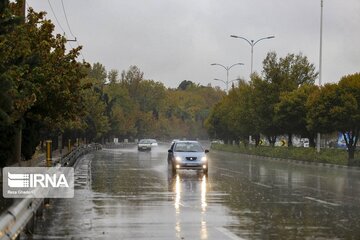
pixel 191 165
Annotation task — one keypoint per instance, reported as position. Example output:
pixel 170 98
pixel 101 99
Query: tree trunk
pixel 257 139
pixel 245 143
pixel 272 140
pixel 351 141
pixel 18 138
pixel 351 156
pixel 312 142
pixel 290 144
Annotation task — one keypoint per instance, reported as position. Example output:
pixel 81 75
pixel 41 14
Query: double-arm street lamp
pixel 227 74
pixel 252 44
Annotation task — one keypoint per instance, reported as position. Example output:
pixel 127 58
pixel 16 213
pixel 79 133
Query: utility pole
pixel 18 124
pixel 23 7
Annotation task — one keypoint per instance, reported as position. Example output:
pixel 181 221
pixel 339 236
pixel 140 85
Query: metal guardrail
pixel 71 158
pixel 118 145
pixel 15 219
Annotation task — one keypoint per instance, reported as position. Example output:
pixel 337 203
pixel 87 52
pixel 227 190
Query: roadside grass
pixel 327 155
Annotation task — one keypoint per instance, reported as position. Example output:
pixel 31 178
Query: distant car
pixel 217 142
pixel 153 142
pixel 187 155
pixel 144 145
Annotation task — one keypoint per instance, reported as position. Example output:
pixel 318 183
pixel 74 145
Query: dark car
pixel 187 155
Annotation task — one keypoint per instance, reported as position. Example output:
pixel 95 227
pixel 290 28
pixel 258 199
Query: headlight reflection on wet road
pixel 177 193
pixel 203 194
pixel 186 185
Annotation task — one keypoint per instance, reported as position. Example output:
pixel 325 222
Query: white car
pixel 144 145
pixel 153 142
pixel 187 155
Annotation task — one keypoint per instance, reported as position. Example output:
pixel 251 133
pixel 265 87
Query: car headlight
pixel 178 159
pixel 203 159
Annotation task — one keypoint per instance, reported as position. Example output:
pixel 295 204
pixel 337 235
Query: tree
pixel 98 71
pixel 246 123
pixel 291 111
pixel 121 110
pixel 264 97
pixel 279 76
pixel 185 85
pixel 113 76
pixel 288 73
pixel 336 107
pixel 95 122
pixel 131 79
pixel 43 80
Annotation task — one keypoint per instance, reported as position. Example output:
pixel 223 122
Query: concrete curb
pixel 293 161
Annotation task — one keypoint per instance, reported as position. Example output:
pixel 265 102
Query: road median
pixel 330 157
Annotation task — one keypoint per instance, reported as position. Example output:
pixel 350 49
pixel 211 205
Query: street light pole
pixel 320 67
pixel 227 73
pixel 321 30
pixel 252 43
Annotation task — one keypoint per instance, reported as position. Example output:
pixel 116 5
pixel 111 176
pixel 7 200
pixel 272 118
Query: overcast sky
pixel 174 40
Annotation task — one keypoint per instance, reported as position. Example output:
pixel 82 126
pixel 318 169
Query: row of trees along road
pixel 46 92
pixel 127 105
pixel 285 101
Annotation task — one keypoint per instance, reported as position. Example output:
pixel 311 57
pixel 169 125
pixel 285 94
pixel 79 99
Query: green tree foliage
pixel 280 76
pixel 290 112
pixel 42 80
pixel 121 111
pixel 113 76
pixel 185 85
pixel 264 97
pixel 252 107
pixel 95 123
pixel 336 107
pixel 288 73
pixel 217 122
pixel 188 109
pixel 135 107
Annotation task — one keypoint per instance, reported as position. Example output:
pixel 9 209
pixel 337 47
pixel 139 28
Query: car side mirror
pixel 206 151
pixel 170 151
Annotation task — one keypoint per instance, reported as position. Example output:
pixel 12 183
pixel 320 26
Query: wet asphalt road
pixel 126 194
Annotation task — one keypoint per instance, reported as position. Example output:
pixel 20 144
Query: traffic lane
pixel 280 200
pixel 160 205
pixel 129 195
pixel 126 194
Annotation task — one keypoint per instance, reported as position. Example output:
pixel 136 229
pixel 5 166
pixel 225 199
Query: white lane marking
pixel 323 202
pixel 263 185
pixel 229 234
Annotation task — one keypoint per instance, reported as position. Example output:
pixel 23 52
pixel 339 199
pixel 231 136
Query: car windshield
pixel 188 147
pixel 145 141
